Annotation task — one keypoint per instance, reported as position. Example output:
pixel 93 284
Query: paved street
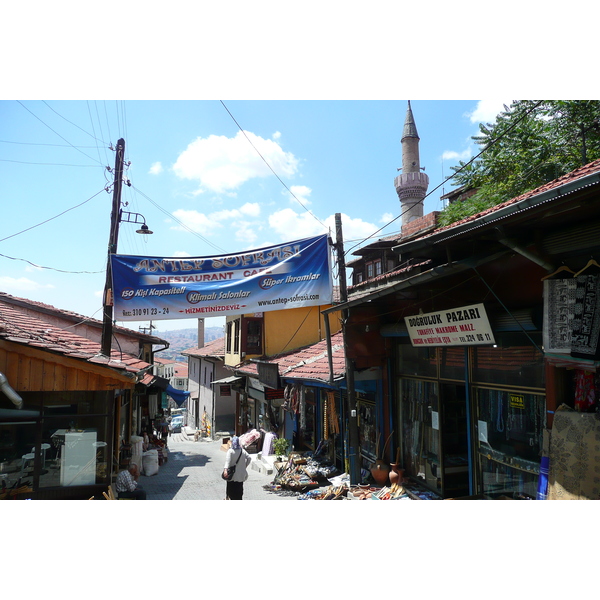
pixel 193 472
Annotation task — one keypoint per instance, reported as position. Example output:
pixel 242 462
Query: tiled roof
pixel 214 348
pixel 589 169
pixel 19 325
pixel 369 284
pixel 308 363
pixel 75 317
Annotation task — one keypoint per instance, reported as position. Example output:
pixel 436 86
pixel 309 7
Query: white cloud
pixel 22 284
pixel 181 253
pixel 289 224
pixel 156 168
pixel 486 111
pixel 251 209
pixel 301 193
pixel 465 155
pixel 221 164
pixel 276 135
pixel 386 217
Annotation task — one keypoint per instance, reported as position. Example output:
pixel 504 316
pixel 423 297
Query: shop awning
pixel 227 380
pixel 180 396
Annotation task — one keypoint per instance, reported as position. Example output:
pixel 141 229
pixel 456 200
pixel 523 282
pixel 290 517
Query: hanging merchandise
pixel 585 391
pixel 586 313
pixel 302 403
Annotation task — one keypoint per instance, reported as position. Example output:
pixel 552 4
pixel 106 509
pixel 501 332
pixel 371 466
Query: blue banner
pixel 290 275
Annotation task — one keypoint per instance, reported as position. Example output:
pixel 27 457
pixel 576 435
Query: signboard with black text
pixel 464 326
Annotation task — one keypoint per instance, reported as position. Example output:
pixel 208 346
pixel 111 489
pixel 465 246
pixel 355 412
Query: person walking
pixel 236 457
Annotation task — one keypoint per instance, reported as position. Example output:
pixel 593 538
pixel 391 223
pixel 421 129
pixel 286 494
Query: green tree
pixel 530 143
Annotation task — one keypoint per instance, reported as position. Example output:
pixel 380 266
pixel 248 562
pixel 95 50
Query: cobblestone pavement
pixel 193 472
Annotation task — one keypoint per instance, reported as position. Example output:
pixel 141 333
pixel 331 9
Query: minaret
pixel 411 186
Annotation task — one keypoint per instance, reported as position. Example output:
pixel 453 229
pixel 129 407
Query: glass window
pixel 17 447
pixel 420 431
pixel 514 362
pixel 509 433
pixel 419 362
pixel 367 429
pixel 77 452
pixel 452 363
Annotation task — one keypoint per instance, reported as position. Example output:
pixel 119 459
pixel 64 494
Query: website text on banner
pixel 289 275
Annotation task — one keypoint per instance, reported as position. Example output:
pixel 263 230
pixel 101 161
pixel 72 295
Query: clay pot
pixel 380 471
pixel 396 474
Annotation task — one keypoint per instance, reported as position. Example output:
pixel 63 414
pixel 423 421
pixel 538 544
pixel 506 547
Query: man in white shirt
pixel 127 483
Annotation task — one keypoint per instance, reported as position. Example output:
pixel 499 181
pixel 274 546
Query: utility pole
pixel 107 326
pixel 352 416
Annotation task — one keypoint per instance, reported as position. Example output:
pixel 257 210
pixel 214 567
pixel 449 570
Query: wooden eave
pixel 30 369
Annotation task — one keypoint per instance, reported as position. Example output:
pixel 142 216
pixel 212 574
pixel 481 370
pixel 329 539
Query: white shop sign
pixel 464 326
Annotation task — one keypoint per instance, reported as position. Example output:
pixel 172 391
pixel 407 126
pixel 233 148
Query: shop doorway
pixel 454 440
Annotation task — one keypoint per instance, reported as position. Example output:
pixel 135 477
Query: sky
pixel 245 124
pixel 209 177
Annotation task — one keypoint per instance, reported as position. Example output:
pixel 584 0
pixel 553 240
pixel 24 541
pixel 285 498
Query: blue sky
pixel 330 129
pixel 202 185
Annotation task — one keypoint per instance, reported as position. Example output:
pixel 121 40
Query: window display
pixel 421 431
pixel 509 431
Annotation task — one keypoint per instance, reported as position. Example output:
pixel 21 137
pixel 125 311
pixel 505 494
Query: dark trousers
pixel 135 495
pixel 235 490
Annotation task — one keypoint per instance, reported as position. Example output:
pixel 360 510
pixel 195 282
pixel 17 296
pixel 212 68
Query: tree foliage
pixel 530 143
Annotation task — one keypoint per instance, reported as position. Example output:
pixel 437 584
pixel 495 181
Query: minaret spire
pixel 411 186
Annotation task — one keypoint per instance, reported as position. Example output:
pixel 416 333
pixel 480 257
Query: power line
pixel 52 218
pixel 271 169
pixel 519 119
pixel 58 134
pixel 166 212
pixel 25 162
pixel 51 268
pixel 71 122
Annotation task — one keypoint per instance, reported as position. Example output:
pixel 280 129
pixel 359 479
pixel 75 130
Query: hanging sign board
pixel 465 326
pixel 291 275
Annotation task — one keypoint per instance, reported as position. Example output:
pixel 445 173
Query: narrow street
pixel 193 472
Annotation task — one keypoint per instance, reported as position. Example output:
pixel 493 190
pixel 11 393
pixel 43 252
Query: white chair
pixel 25 459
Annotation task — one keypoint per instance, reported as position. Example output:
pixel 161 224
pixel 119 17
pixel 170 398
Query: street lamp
pixel 117 216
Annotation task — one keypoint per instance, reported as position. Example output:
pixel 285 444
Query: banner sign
pixel 465 326
pixel 291 275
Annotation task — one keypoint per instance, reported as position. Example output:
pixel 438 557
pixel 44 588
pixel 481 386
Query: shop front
pixel 472 417
pixel 59 446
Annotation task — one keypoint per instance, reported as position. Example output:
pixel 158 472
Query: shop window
pixel 308 420
pixel 367 430
pixel 514 362
pixel 452 363
pixel 67 446
pixel 420 431
pixel 417 361
pixel 509 440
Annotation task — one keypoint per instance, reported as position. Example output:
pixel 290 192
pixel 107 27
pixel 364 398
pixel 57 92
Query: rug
pixel 574 472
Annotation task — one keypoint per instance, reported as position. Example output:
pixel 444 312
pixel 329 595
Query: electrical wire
pixel 166 212
pixel 71 122
pixel 271 169
pixel 52 218
pixel 519 119
pixel 52 268
pixel 58 134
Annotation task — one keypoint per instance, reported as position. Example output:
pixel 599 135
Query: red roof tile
pixel 309 363
pixel 19 325
pixel 214 348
